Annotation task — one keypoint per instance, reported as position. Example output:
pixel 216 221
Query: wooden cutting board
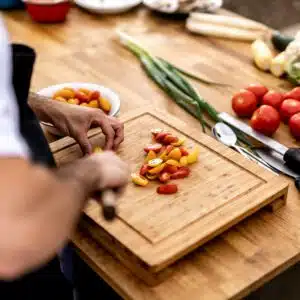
pixel 152 231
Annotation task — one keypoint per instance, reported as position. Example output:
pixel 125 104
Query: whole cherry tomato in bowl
pixel 266 120
pixel 244 103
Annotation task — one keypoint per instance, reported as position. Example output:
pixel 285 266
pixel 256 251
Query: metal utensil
pixel 276 161
pixel 291 156
pixel 226 135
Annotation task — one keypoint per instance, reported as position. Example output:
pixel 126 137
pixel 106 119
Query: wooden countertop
pixel 85 49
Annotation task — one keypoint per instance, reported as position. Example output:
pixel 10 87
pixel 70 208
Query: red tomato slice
pixel 154 147
pixel 167 189
pixel 170 169
pixel 169 148
pixel 169 139
pixel 164 177
pixel 181 173
pixel 184 151
pixel 160 136
pixel 144 169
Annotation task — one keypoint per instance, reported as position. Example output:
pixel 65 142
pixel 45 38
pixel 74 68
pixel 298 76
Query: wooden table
pixel 85 49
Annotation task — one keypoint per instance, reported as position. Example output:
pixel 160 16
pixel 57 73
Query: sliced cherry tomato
pixel 144 169
pixel 179 142
pixel 169 139
pixel 184 151
pixel 157 169
pixel 170 169
pixel 167 189
pixel 154 147
pixel 151 155
pixel 160 136
pixel 169 148
pixel 164 177
pixel 139 180
pixel 151 177
pixel 181 173
pixel 94 95
pixel 175 154
pixel 155 162
pixel 81 97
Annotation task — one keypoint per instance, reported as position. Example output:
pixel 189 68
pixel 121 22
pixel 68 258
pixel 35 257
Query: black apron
pixel 48 282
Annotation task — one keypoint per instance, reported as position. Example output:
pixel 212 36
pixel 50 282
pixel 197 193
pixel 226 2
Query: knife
pixel 275 160
pixel 291 156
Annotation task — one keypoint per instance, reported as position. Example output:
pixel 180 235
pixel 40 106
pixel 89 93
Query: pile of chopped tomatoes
pixel 165 160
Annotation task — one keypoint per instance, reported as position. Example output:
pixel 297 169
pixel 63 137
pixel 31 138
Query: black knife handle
pixel 297 183
pixel 292 159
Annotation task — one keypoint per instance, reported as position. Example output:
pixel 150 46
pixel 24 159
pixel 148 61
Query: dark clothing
pixel 48 282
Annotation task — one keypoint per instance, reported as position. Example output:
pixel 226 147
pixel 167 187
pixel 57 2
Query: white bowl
pixel 107 6
pixel 107 93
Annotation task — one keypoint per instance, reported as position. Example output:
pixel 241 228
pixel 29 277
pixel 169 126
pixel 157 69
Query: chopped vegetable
pixel 139 180
pixel 157 169
pixel 151 177
pixel 167 189
pixel 184 151
pixel 155 162
pixel 183 161
pixel 164 177
pixel 144 169
pixel 172 162
pixel 151 155
pixel 262 55
pixel 175 154
pixel 155 147
pixel 179 142
pixel 193 156
pixel 169 139
pixel 170 169
pixel 181 173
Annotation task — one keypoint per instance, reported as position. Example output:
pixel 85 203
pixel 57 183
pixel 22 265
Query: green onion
pixel 172 81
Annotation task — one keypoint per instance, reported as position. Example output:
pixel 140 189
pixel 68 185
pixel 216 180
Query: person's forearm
pixel 39 214
pixel 43 107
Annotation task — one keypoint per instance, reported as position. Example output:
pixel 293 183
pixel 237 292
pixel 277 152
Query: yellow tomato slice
pixel 172 162
pixel 139 180
pixel 175 154
pixel 179 142
pixel 155 162
pixel 193 156
pixel 157 169
pixel 150 156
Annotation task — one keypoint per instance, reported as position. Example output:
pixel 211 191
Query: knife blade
pixel 291 156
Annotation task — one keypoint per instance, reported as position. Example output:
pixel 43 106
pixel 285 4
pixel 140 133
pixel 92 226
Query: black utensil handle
pixel 108 205
pixel 292 159
pixel 297 183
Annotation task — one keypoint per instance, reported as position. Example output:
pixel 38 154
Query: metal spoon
pixel 226 135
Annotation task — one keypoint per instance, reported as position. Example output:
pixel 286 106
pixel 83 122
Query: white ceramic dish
pixel 107 6
pixel 107 93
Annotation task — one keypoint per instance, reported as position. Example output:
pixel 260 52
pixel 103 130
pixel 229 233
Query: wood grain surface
pixel 85 49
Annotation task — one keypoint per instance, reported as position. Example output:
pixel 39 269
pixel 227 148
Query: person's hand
pixel 104 171
pixel 76 121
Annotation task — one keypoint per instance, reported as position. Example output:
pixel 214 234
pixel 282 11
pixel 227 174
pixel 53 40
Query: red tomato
pixel 266 120
pixel 258 90
pixel 244 103
pixel 288 108
pixel 293 94
pixel 154 147
pixel 144 169
pixel 181 173
pixel 94 95
pixel 294 125
pixel 81 97
pixel 167 189
pixel 184 151
pixel 160 136
pixel 273 98
pixel 169 139
pixel 170 169
pixel 164 177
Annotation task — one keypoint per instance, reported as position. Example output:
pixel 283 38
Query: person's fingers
pixel 119 134
pixel 108 132
pixel 84 143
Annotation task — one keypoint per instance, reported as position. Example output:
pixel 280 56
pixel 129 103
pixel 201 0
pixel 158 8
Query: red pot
pixel 48 12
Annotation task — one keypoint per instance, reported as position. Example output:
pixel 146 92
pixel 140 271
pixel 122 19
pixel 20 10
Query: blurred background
pixel 279 14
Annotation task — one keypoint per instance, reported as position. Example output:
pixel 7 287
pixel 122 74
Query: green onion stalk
pixel 172 81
